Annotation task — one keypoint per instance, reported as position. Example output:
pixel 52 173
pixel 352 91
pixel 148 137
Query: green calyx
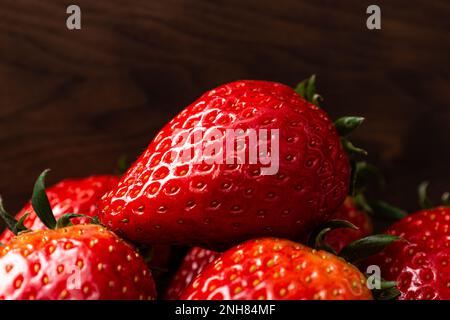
pixel 361 203
pixel 347 125
pixel 40 202
pixel 424 200
pixel 15 226
pixel 387 290
pixel 42 207
pixel 351 149
pixel 386 211
pixel 344 125
pixel 363 174
pixel 364 248
pixel 307 89
pixel 317 237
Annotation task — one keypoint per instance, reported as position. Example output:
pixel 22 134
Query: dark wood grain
pixel 75 101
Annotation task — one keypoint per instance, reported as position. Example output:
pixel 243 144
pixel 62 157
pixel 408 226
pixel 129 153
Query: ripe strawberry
pixel 49 264
pixel 69 262
pixel 339 238
pixel 275 269
pixel 193 263
pixel 421 266
pixel 68 196
pixel 162 200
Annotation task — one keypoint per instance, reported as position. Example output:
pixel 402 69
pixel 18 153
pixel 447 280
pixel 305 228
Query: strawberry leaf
pixel 10 221
pixel 351 149
pixel 40 202
pixel 64 220
pixel 366 247
pixel 347 125
pixel 307 90
pixel 20 227
pixel 386 294
pixel 386 211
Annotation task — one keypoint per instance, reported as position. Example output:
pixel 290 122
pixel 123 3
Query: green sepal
pixel 20 227
pixel 307 89
pixel 11 222
pixel 64 220
pixel 347 125
pixel 446 199
pixel 366 247
pixel 365 173
pixel 424 201
pixel 386 294
pixel 317 237
pixel 361 203
pixel 386 211
pixel 40 202
pixel 95 220
pixel 351 149
pixel 387 284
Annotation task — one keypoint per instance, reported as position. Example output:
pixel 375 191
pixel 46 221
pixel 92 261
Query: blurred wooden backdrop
pixel 75 101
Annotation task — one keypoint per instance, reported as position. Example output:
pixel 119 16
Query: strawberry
pixel 162 199
pixel 48 265
pixel 421 266
pixel 69 261
pixel 273 269
pixel 349 211
pixel 193 263
pixel 68 196
pixel 198 258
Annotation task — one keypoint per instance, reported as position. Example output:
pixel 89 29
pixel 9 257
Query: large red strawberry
pixel 421 264
pixel 271 269
pixel 69 262
pixel 193 263
pixel 162 199
pixel 68 196
pixel 349 211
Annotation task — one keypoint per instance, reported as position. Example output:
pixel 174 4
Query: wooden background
pixel 74 101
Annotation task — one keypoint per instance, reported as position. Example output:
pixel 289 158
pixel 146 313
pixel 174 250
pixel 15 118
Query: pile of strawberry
pixel 304 232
